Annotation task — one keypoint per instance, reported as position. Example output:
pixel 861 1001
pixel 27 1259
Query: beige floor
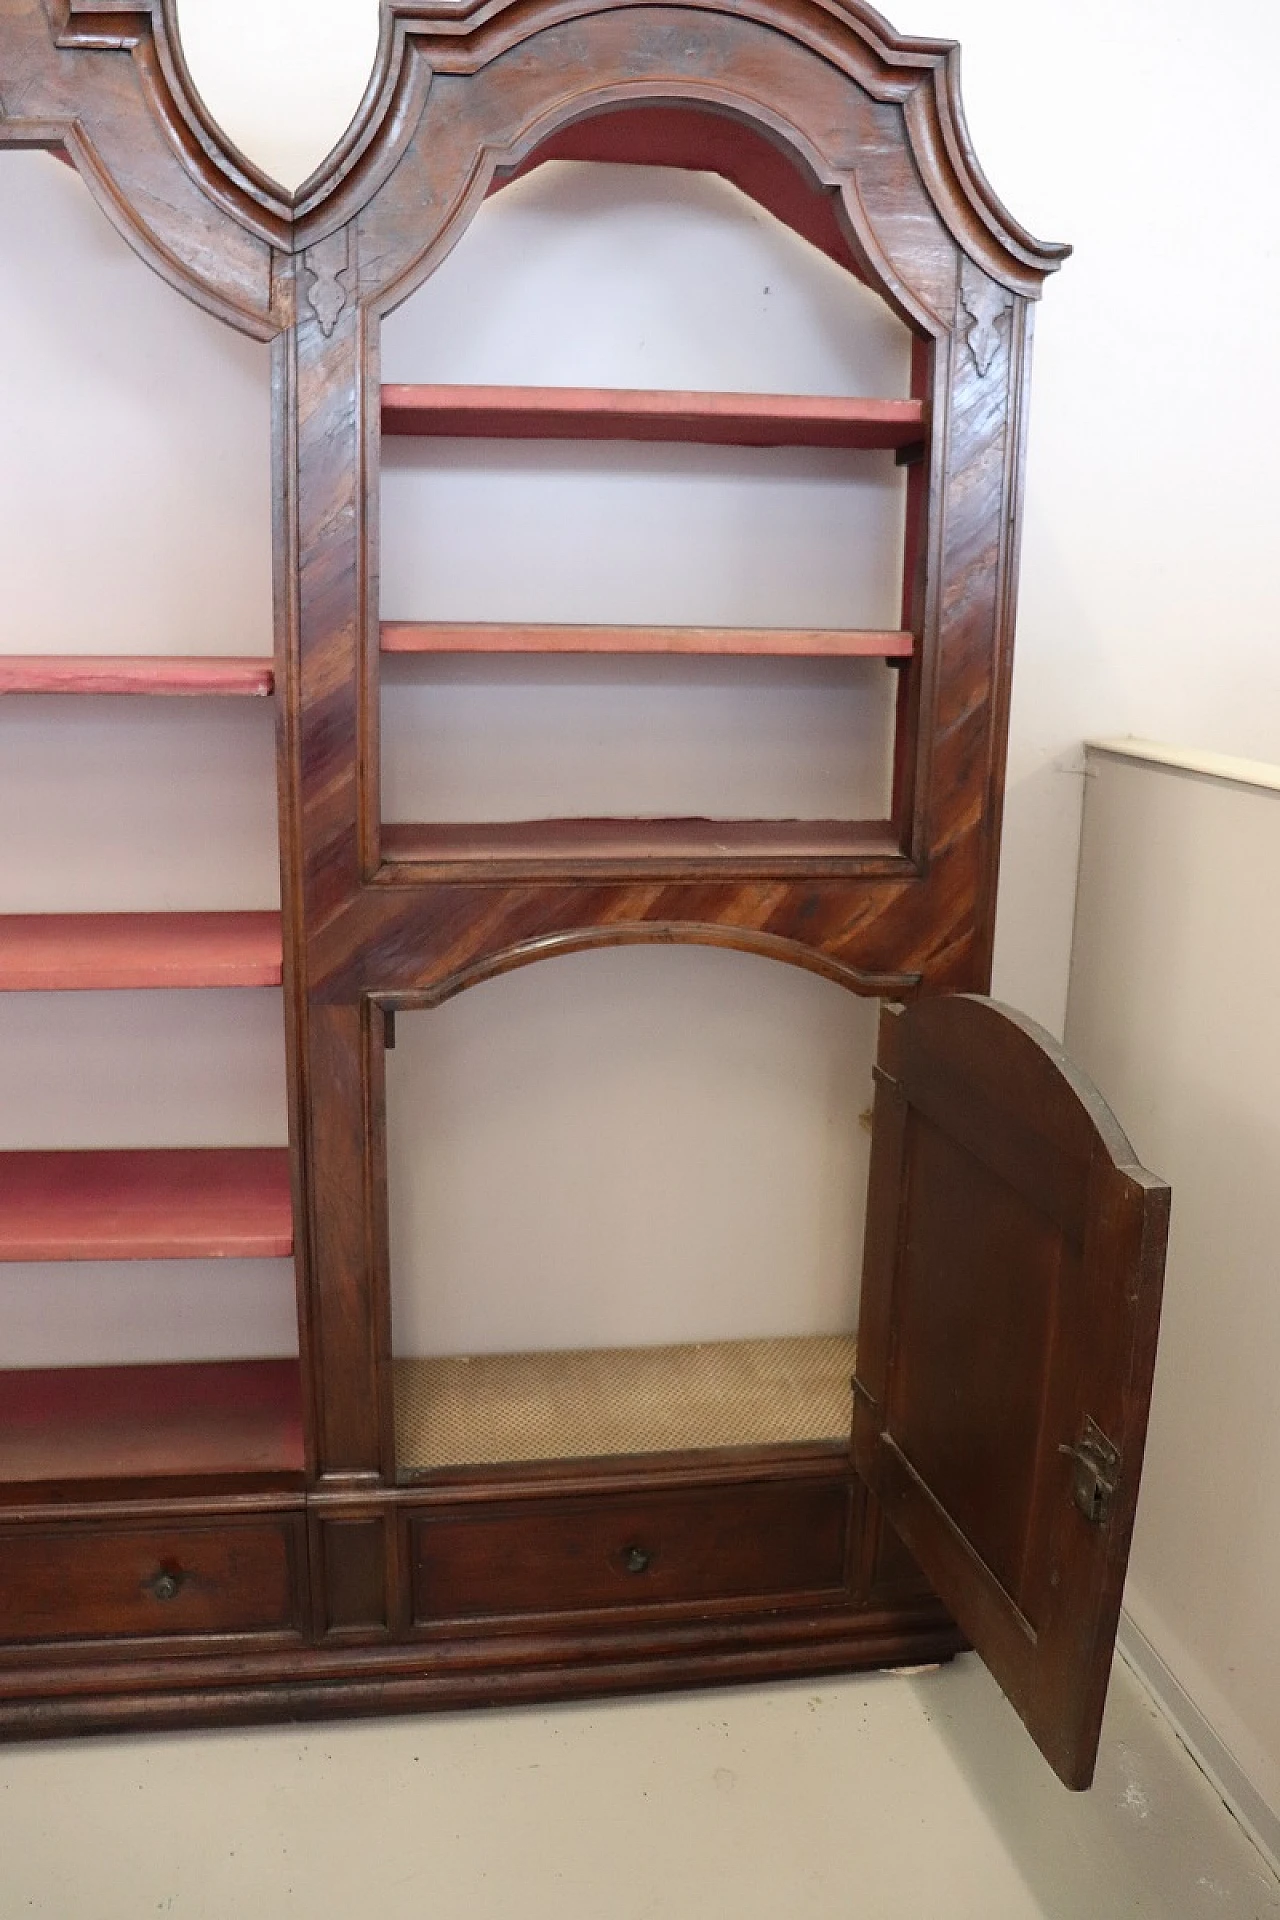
pixel 880 1797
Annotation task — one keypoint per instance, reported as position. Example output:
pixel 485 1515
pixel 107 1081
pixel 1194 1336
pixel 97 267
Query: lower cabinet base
pixel 231 1690
pixel 545 1586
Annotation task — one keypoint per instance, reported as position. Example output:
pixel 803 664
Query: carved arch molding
pixel 868 126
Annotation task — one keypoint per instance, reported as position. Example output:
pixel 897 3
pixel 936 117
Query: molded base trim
pixel 326 1683
pixel 1216 1761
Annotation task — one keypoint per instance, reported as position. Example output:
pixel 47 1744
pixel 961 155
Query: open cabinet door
pixel 1010 1299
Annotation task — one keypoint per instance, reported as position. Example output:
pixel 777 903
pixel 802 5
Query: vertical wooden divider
pixel 325 427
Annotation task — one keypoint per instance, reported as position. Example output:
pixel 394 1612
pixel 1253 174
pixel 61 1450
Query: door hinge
pixel 1097 1469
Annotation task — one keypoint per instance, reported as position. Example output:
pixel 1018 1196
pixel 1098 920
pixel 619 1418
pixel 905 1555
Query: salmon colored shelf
pixel 66 952
pixel 134 673
pixel 575 842
pixel 437 636
pixel 109 1423
pixel 175 1203
pixel 621 413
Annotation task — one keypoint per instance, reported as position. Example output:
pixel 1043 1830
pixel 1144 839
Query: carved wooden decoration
pixel 854 136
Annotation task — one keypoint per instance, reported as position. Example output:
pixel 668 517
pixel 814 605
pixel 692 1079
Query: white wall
pixel 1150 597
pixel 636 1146
pixel 132 527
pixel 128 527
pixel 1175 1012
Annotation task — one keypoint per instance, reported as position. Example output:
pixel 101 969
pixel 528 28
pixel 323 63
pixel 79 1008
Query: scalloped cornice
pixel 921 75
pixel 418 40
pixel 107 88
pixel 149 32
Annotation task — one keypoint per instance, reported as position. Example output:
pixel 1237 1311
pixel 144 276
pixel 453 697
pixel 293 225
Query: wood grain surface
pixel 616 413
pixel 476 636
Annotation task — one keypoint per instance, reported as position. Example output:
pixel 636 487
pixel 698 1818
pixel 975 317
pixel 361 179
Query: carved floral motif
pixel 326 296
pixel 984 306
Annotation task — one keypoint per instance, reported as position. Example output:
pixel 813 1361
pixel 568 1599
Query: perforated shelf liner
pixel 486 1408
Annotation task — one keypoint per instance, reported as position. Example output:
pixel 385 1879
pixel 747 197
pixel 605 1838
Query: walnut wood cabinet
pixel 193 1544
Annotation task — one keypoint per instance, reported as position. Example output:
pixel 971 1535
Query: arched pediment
pixel 798 72
pixel 850 101
pixel 106 86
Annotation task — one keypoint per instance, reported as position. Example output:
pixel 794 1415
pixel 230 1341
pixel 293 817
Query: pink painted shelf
pixel 620 413
pixel 106 1423
pixel 437 636
pixel 152 1203
pixel 61 952
pixel 134 673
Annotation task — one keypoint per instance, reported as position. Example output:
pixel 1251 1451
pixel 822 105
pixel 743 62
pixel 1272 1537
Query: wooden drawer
pixel 541 1556
pixel 83 1581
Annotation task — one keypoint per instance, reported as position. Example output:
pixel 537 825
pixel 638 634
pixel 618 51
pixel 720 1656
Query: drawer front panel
pixel 80 1581
pixel 610 1550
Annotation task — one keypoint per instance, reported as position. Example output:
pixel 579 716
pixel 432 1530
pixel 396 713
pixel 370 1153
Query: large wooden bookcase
pixel 195 1543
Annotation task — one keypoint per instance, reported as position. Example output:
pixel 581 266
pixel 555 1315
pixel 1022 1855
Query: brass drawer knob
pixel 636 1559
pixel 165 1585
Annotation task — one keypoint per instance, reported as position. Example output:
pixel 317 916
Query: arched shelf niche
pixel 393 911
pixel 673 1262
pixel 757 568
pixel 705 139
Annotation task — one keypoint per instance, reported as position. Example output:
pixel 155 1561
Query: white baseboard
pixel 1260 1820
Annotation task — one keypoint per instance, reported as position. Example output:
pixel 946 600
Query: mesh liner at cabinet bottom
pixel 474 1410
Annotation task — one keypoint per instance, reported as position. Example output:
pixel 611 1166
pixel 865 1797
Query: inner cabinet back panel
pixel 168 507
pixel 628 1149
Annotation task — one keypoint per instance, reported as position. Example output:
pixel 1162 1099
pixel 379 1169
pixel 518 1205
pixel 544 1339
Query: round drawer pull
pixel 165 1585
pixel 636 1559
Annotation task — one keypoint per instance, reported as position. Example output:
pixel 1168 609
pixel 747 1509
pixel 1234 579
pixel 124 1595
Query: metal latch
pixel 1097 1467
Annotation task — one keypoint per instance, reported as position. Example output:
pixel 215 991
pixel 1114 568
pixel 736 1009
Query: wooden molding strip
pixel 69 952
pixel 104 1423
pixel 134 673
pixel 622 413
pixel 439 636
pixel 576 841
pixel 148 1203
